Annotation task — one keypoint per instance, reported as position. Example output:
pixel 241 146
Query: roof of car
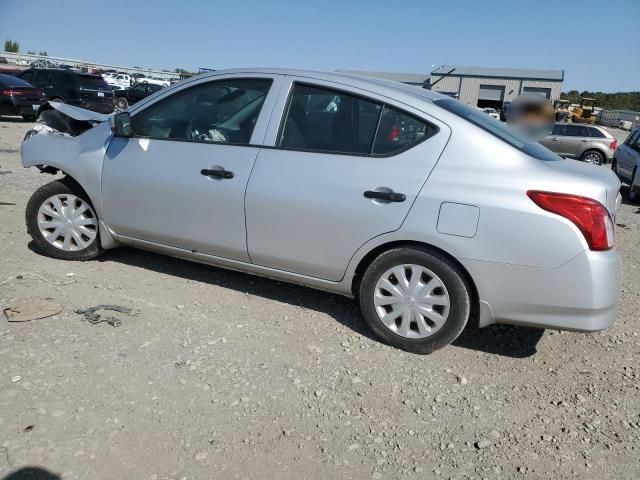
pixel 358 81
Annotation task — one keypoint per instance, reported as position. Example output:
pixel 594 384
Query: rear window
pixel 498 129
pixel 92 82
pixel 595 133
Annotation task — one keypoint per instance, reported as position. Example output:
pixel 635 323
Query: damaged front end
pixel 71 141
pixel 60 118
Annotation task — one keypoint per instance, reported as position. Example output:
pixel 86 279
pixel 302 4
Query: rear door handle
pixel 388 196
pixel 216 173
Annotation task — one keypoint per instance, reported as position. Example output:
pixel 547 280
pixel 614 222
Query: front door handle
pixel 216 173
pixel 388 196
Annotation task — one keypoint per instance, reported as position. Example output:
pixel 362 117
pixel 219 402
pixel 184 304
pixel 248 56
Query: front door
pixel 344 167
pixel 180 180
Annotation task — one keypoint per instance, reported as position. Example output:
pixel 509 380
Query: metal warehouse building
pixel 481 86
pixel 491 87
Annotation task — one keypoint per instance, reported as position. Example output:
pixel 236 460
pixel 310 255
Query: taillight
pixel 613 145
pixel 590 216
pixel 8 92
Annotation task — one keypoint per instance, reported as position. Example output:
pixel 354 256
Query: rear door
pixel 340 167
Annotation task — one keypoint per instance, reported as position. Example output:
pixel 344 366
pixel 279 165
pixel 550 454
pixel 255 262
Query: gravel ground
pixel 224 375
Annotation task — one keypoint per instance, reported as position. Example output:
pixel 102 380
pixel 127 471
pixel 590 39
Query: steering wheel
pixel 198 129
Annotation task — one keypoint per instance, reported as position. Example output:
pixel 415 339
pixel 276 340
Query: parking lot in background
pixel 225 375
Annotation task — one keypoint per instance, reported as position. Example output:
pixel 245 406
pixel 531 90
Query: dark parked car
pixel 75 88
pixel 129 96
pixel 17 97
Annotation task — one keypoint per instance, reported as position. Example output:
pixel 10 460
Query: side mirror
pixel 120 124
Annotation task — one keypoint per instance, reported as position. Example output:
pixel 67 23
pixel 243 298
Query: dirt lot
pixel 223 375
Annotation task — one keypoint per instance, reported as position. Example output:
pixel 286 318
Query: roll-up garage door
pixel 491 92
pixel 542 91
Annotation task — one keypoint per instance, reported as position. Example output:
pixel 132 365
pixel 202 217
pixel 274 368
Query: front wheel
pixel 415 299
pixel 62 222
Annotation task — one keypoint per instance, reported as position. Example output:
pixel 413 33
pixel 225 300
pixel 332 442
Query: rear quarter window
pixel 595 133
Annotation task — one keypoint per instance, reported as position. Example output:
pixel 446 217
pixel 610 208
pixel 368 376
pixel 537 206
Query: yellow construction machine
pixel 584 113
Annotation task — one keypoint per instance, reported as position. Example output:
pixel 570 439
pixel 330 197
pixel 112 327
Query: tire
pixel 593 156
pixel 64 191
pixel 122 103
pixel 434 266
pixel 29 118
pixel 634 193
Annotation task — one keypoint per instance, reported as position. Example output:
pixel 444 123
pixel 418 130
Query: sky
pixel 594 42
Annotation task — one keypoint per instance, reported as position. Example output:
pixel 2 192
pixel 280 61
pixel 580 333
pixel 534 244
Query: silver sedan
pixel 432 214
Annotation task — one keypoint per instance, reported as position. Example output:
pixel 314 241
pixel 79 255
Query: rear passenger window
pixel 325 120
pixel 595 133
pixel 577 131
pixel 328 121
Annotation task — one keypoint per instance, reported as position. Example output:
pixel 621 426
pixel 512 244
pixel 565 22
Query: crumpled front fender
pixel 79 157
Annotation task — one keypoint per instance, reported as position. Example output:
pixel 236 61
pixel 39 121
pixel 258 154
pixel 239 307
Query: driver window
pixel 223 111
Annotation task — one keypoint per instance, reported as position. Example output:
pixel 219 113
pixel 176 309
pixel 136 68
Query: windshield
pixel 498 129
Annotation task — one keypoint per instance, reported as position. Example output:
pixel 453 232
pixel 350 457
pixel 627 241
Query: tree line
pixel 608 101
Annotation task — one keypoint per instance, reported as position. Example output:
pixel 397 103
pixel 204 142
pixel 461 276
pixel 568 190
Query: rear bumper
pixel 581 295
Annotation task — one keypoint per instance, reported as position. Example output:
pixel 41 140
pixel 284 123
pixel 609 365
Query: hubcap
pixel 593 158
pixel 67 222
pixel 411 301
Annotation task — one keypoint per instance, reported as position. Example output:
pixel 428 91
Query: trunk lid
pixel 602 175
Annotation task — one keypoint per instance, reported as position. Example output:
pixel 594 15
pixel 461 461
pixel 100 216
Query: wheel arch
pixel 373 253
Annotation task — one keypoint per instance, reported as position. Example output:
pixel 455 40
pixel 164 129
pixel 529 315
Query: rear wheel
pixel 62 222
pixel 414 299
pixel 592 156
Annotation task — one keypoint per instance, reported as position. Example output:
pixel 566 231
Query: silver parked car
pixel 626 164
pixel 589 143
pixel 428 211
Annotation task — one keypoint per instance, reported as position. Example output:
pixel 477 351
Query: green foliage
pixel 608 101
pixel 44 53
pixel 11 46
pixel 31 52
